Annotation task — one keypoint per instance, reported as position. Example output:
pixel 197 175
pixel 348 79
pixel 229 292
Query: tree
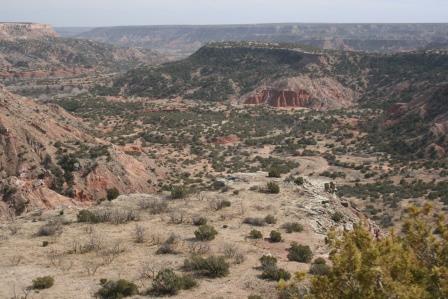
pixel 411 265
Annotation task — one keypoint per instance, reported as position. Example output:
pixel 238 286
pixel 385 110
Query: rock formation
pixel 303 91
pixel 280 98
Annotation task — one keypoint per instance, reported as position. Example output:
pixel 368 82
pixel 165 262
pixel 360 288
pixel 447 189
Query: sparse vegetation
pixel 198 221
pixel 273 188
pixel 319 267
pixel 170 246
pixel 337 216
pixel 300 253
pixel 255 234
pixel 167 282
pixel 205 233
pixel 178 192
pixel 212 266
pixel 293 227
pixel 112 193
pixel 275 236
pixel 255 221
pixel 270 271
pixel 114 216
pixel 270 219
pixel 51 228
pixel 44 282
pixel 117 289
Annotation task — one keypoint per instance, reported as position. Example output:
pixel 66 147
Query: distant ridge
pixel 25 30
pixel 183 40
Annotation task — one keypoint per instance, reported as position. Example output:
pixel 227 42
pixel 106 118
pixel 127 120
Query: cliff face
pixel 25 31
pixel 303 91
pixel 280 98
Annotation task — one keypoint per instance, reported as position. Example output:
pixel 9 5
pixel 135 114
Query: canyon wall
pixel 303 92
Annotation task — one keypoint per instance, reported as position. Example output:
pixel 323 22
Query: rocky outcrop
pixel 25 31
pixel 303 91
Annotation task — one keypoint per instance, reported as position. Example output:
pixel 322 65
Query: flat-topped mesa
pixel 25 31
pixel 280 98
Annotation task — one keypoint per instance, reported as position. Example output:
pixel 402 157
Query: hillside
pixel 295 76
pixel 48 56
pixel 184 40
pixel 49 159
pixel 34 61
pixel 223 71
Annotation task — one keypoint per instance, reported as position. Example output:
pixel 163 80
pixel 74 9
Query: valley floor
pixel 77 275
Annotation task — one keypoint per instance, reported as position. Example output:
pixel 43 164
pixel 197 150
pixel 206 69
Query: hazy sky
pixel 149 12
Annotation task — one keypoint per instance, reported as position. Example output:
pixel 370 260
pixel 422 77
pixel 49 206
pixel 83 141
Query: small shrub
pixel 254 297
pixel 273 188
pixel 188 282
pixel 213 266
pixel 275 274
pixel 320 261
pixel 300 253
pixel 169 246
pixel 230 250
pixel 139 234
pixel 118 216
pixel 217 185
pixel 43 282
pixel 117 289
pixel 319 267
pixel 270 219
pixel 220 204
pixel 112 193
pixel 198 221
pixel 289 292
pixel 291 227
pixel 254 221
pixel 270 269
pixel 114 216
pixel 178 192
pixel 267 261
pixel 275 236
pixel 50 228
pixel 255 234
pixel 299 181
pixel 205 233
pixel 87 216
pixel 274 172
pixel 337 216
pixel 154 206
pixel 198 248
pixel 169 283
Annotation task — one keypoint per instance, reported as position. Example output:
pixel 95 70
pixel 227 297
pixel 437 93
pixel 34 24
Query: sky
pixel 164 12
